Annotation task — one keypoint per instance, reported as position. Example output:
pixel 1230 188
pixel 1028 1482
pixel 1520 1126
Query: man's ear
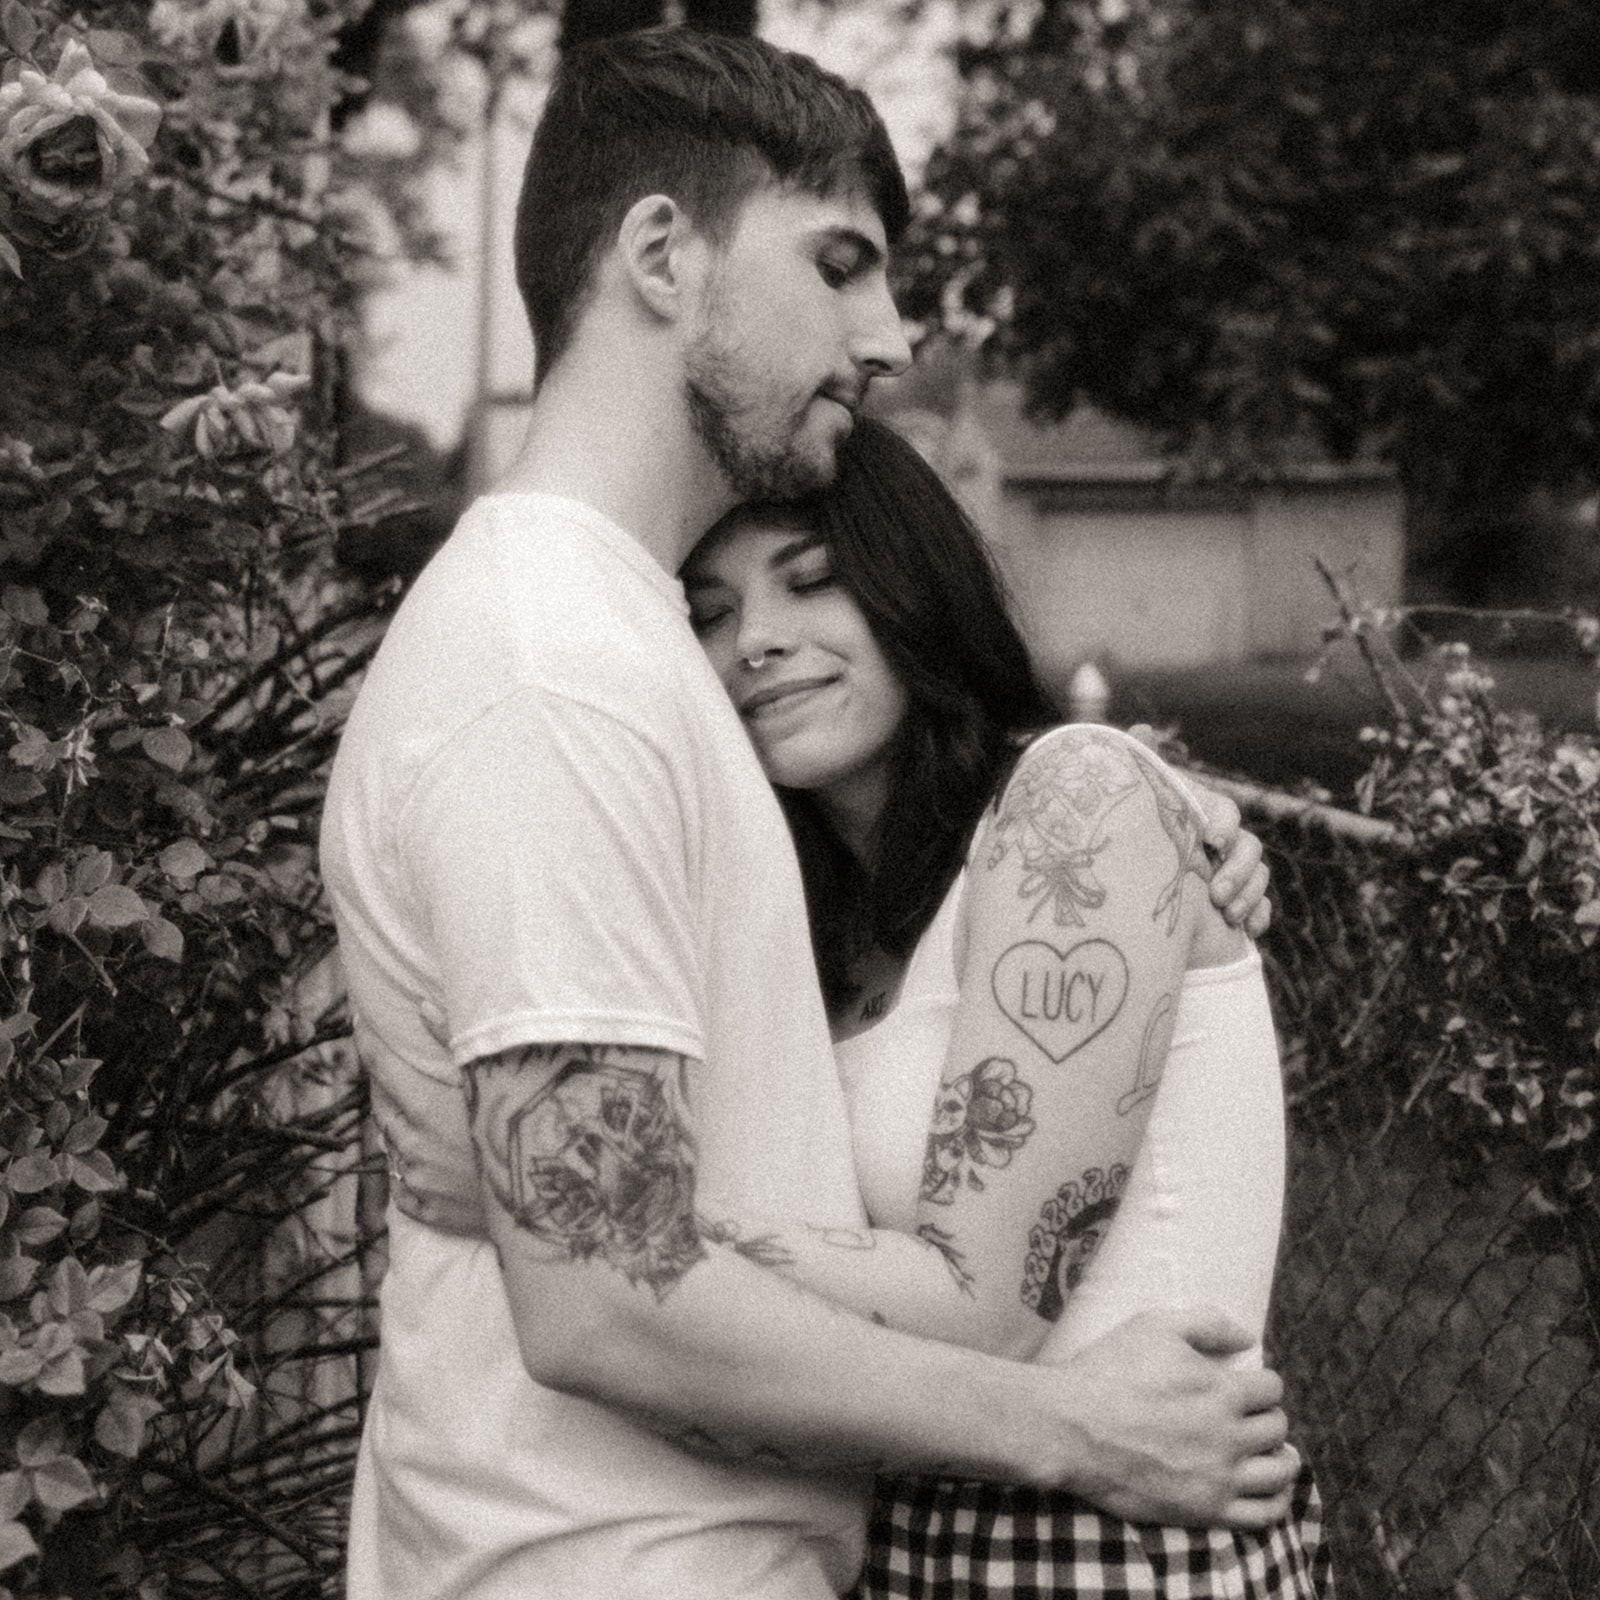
pixel 660 254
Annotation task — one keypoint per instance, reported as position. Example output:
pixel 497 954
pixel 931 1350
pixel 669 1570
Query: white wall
pixel 1177 586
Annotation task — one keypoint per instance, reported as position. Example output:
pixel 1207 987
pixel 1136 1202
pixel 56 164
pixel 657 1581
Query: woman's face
pixel 794 652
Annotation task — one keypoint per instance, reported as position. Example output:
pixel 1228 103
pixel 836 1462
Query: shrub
pixel 178 238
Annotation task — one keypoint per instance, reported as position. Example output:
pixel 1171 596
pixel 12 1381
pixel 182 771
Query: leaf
pixel 76 1071
pixel 16 1276
pixel 113 47
pixel 17 788
pixel 93 1172
pixel 32 1173
pixel 116 906
pixel 25 604
pixel 20 1366
pixel 111 1288
pixel 168 747
pixel 66 916
pixel 64 1375
pixel 92 871
pixel 38 1225
pixel 85 1134
pixel 51 884
pixel 40 1441
pixel 183 860
pixel 122 1422
pixel 63 1483
pixel 85 1222
pixel 1588 914
pixel 12 262
pixel 241 1392
pixel 16 1543
pixel 162 939
pixel 219 889
pixel 69 1287
pixel 19 26
pixel 14 1494
pixel 15 1026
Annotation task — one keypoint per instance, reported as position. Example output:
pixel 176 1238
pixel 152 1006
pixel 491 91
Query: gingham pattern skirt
pixel 946 1539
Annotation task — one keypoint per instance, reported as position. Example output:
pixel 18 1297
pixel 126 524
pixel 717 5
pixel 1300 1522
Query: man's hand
pixel 1239 884
pixel 1171 1434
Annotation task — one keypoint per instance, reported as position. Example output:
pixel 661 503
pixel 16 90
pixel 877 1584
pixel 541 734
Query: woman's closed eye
pixel 705 615
pixel 809 577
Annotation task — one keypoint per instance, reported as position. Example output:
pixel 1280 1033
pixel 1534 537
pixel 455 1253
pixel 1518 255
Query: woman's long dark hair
pixel 904 549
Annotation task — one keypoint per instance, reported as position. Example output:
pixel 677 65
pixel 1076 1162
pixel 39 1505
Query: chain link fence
pixel 1436 1327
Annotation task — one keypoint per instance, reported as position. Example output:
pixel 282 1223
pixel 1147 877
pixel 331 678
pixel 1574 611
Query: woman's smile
pixel 773 701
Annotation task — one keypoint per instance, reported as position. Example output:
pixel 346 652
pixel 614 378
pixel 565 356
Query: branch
pixel 1384 673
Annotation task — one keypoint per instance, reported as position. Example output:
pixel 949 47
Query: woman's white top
pixel 1200 1217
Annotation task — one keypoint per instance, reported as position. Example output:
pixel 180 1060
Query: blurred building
pixel 1112 553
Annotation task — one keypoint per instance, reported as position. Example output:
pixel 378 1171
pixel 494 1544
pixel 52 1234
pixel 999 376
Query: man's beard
pixel 759 464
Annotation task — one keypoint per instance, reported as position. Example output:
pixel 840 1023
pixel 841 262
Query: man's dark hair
pixel 703 118
pixel 906 552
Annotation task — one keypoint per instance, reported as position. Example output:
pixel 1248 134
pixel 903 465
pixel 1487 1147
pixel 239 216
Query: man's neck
pixel 628 455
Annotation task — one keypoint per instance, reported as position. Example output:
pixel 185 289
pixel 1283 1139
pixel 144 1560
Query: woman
pixel 1011 929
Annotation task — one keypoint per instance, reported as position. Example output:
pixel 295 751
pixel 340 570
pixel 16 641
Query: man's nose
pixel 880 348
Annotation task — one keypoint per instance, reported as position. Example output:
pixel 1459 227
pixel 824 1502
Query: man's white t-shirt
pixel 545 824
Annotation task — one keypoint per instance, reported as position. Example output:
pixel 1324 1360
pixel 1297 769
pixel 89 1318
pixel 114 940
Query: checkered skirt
pixel 946 1539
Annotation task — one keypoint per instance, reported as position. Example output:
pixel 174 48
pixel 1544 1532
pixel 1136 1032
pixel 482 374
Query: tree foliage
pixel 1262 225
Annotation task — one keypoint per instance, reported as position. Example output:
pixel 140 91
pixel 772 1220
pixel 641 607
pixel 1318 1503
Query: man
pixel 576 942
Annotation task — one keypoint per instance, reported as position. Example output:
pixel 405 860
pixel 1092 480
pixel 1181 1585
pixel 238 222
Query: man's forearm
pixel 587 1161
pixel 738 1360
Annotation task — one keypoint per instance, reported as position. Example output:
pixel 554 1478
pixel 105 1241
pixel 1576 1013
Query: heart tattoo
pixel 1059 1001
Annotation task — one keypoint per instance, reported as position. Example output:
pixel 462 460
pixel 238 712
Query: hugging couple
pixel 833 1114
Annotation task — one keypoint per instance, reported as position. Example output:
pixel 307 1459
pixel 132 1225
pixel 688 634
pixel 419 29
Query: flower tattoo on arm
pixel 586 1148
pixel 979 1120
pixel 1054 816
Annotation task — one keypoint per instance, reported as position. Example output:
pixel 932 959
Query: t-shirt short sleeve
pixel 548 843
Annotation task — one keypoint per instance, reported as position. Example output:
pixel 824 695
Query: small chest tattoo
pixel 874 1007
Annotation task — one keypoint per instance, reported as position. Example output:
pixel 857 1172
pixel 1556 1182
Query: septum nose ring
pixel 756 661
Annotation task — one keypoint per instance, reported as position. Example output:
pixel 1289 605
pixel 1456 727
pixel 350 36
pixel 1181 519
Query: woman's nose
pixel 762 635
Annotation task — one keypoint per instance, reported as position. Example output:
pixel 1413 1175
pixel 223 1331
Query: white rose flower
pixel 69 142
pixel 225 421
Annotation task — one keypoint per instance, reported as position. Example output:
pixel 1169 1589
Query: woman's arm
pixel 1084 900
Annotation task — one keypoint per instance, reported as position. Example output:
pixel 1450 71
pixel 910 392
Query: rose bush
pixel 180 236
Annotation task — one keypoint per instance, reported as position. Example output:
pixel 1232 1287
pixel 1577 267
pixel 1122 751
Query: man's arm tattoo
pixel 1061 1000
pixel 587 1150
pixel 956 1260
pixel 979 1120
pixel 767 1249
pixel 762 1249
pixel 1063 1241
